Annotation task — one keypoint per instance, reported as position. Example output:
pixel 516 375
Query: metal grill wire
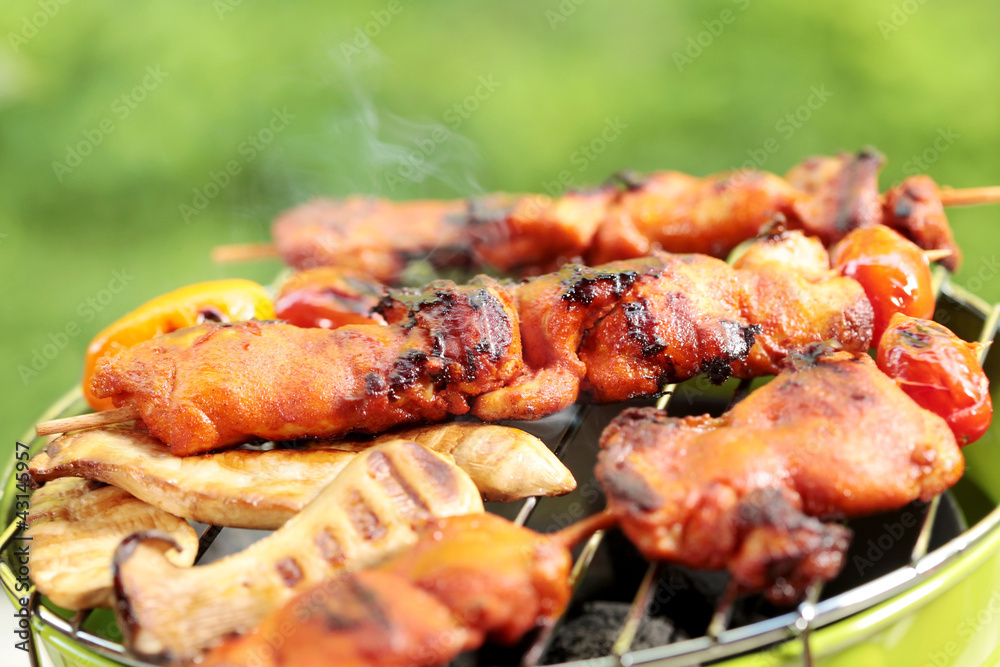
pixel 718 642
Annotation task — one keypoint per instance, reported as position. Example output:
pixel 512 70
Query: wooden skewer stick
pixel 105 418
pixel 938 254
pixel 244 252
pixel 584 528
pixel 970 196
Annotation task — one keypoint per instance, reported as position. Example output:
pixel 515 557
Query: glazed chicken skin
pixel 468 578
pixel 614 332
pixel 628 218
pixel 629 328
pixel 830 437
pixel 210 386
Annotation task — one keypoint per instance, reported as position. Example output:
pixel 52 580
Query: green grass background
pixel 899 74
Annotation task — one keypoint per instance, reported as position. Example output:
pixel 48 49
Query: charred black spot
pixel 628 485
pixel 375 384
pixel 641 327
pixel 406 370
pixel 583 288
pixel 736 344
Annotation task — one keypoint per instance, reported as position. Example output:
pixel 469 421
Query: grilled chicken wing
pixel 467 578
pixel 830 437
pixel 263 489
pixel 75 525
pixel 372 510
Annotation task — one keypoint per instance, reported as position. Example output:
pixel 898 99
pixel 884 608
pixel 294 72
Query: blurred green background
pixel 120 123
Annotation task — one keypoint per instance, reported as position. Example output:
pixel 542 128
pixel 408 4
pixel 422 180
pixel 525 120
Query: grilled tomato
pixel 940 371
pixel 894 272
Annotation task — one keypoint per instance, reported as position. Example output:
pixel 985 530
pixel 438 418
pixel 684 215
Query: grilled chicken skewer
pixel 615 332
pixel 467 579
pixel 373 509
pixel 75 525
pixel 826 196
pixel 831 437
pixel 263 489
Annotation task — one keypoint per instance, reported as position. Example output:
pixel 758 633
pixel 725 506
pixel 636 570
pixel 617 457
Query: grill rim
pixel 955 558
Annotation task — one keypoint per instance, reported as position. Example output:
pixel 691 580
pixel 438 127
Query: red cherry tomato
pixel 893 271
pixel 939 371
pixel 328 298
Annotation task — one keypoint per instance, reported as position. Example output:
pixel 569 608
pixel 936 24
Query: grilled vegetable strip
pixel 830 437
pixel 263 489
pixel 531 234
pixel 468 578
pixel 75 526
pixel 621 330
pixel 329 297
pixel 372 510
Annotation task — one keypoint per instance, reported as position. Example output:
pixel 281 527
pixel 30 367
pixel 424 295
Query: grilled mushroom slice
pixel 75 526
pixel 371 511
pixel 263 489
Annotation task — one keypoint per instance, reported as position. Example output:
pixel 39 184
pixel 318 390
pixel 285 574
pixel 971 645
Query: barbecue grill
pixel 921 586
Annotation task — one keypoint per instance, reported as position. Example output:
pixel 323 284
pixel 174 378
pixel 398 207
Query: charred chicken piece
pixel 913 208
pixel 673 211
pixel 210 386
pixel 374 509
pixel 466 580
pixel 628 328
pixel 830 437
pixel 840 194
pixel 667 210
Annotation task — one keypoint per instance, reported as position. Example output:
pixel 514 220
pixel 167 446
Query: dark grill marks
pixel 642 327
pixel 407 499
pixel 406 370
pixel 582 287
pixel 436 470
pixel 363 518
pixel 736 344
pixel 289 571
pixel 329 547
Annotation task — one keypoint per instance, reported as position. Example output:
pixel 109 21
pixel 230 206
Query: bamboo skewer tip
pixel 104 418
